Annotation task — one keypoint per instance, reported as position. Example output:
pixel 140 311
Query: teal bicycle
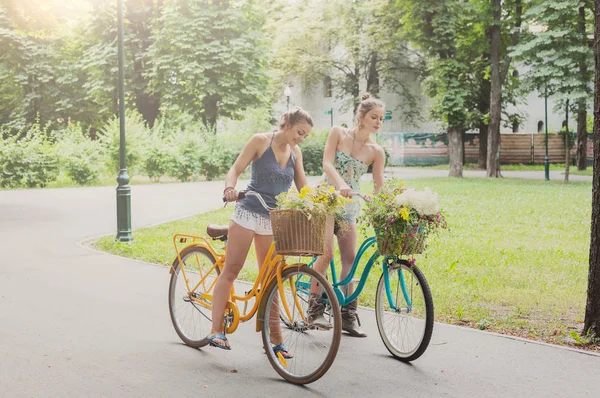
pixel 403 301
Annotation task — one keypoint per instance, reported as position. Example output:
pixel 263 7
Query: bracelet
pixel 227 189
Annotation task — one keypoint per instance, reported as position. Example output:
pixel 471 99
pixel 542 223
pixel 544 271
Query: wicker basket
pixel 295 234
pixel 402 245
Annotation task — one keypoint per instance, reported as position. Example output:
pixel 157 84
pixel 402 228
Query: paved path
pixel 78 323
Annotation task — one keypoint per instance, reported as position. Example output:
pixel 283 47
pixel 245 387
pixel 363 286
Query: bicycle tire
pixel 423 315
pixel 204 314
pixel 334 342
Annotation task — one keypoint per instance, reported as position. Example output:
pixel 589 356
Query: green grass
pixel 514 259
pixel 518 167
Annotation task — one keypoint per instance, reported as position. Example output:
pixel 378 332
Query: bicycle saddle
pixel 217 231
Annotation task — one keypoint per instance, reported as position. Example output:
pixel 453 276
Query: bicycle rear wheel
pixel 285 321
pixel 191 320
pixel 404 311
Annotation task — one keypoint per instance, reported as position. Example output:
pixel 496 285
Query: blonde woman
pixel 348 155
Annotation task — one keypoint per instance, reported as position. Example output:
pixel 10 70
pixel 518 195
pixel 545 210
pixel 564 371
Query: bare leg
pixel 323 261
pixel 347 241
pixel 262 243
pixel 234 261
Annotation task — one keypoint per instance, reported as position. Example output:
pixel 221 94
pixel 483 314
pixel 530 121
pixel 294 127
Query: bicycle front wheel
pixel 404 311
pixel 191 320
pixel 286 321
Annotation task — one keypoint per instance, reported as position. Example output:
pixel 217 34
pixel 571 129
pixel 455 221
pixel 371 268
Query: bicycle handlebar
pixel 243 194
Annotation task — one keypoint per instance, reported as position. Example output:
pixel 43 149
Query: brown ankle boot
pixel 350 321
pixel 316 308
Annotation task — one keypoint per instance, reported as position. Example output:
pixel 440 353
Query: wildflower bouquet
pixel 402 218
pixel 300 218
pixel 322 200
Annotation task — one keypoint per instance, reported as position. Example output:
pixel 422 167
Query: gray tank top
pixel 269 179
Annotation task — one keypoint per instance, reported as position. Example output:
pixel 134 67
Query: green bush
pixel 79 155
pixel 30 161
pixel 186 158
pixel 156 162
pixel 312 152
pixel 218 157
pixel 138 138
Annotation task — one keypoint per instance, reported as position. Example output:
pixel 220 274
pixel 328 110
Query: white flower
pixel 424 202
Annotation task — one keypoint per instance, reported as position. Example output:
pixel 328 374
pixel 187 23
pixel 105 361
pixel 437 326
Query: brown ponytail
pixel 295 116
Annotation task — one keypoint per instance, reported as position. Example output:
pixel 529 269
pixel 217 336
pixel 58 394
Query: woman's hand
pixel 345 191
pixel 230 194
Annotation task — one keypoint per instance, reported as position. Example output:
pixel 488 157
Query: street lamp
pixel 287 92
pixel 123 190
pixel 546 159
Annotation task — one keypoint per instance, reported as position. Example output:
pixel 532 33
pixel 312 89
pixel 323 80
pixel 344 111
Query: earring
pixel 361 126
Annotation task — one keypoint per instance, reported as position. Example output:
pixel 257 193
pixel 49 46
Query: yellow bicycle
pixel 279 304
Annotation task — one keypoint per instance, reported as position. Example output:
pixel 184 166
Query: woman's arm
pixel 335 134
pixel 378 166
pixel 299 174
pixel 243 160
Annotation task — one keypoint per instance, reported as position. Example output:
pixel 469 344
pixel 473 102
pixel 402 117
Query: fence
pixel 423 149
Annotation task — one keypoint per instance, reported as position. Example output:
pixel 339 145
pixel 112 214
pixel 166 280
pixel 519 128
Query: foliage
pixel 137 140
pixel 345 42
pixel 557 50
pixel 402 217
pixel 209 58
pixel 313 149
pixel 451 35
pixel 79 156
pixel 30 161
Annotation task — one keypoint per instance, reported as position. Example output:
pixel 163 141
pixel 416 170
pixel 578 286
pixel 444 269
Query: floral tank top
pixel 351 170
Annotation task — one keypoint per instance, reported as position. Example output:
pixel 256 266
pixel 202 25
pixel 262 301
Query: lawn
pixel 514 259
pixel 521 167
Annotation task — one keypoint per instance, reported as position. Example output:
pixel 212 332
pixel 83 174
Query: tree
pixel 209 58
pixel 450 34
pixel 592 310
pixel 559 57
pixel 499 71
pixel 344 43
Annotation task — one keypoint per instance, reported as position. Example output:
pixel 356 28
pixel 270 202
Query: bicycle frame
pixel 366 244
pixel 272 267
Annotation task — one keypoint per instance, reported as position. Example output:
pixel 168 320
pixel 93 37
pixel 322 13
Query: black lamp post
pixel 123 190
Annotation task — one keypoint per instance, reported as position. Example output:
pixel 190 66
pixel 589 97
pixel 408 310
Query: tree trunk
pixel 455 152
pixel 493 155
pixel 567 145
pixel 373 76
pixel 354 79
pixel 592 308
pixel 582 137
pixel 581 156
pixel 210 104
pixel 484 108
pixel 140 13
pixel 483 143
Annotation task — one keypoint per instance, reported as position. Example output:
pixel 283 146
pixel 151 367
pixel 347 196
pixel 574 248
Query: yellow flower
pixel 403 214
pixel 304 192
pixel 331 189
